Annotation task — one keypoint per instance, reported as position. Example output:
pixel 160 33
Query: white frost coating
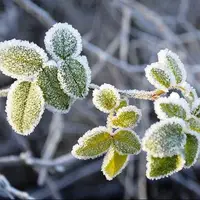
pixel 9 104
pixel 84 62
pixel 175 99
pixel 107 159
pixel 6 45
pixel 62 26
pixel 163 176
pixel 189 89
pixel 86 136
pixel 195 105
pixel 153 81
pixel 130 108
pixel 97 92
pixel 50 63
pixel 158 125
pixel 162 58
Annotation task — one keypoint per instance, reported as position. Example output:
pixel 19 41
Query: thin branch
pixel 5 185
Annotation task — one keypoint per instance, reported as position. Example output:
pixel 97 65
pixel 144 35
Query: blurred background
pixel 120 38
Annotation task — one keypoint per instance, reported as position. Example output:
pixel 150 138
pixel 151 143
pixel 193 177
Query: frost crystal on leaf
pixel 55 98
pixel 172 106
pixel 158 168
pixel 189 92
pixel 24 107
pixel 113 164
pixel 75 76
pixel 165 138
pixel 62 41
pixel 21 59
pixel 93 143
pixel 158 76
pixel 194 124
pixel 126 142
pixel 191 150
pixel 172 62
pixel 106 98
pixel 126 117
pixel 196 108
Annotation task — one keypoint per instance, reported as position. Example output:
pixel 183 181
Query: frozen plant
pixel 57 82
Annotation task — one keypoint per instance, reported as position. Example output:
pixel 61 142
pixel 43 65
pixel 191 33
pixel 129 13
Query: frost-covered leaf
pixel 113 164
pixel 126 142
pixel 106 98
pixel 172 62
pixel 189 92
pixel 62 41
pixel 126 117
pixel 54 96
pixel 158 168
pixel 158 76
pixel 172 106
pixel 123 103
pixel 25 106
pixel 75 76
pixel 194 124
pixel 93 143
pixel 191 150
pixel 21 59
pixel 196 108
pixel 165 138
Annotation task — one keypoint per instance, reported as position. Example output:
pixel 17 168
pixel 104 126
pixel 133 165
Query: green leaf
pixel 75 76
pixel 165 138
pixel 106 98
pixel 54 96
pixel 63 41
pixel 123 103
pixel 158 76
pixel 194 124
pixel 158 168
pixel 172 62
pixel 113 164
pixel 94 143
pixel 21 59
pixel 25 106
pixel 172 106
pixel 196 108
pixel 191 150
pixel 126 117
pixel 126 142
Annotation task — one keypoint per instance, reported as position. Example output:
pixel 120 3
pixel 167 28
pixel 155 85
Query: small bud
pixel 106 98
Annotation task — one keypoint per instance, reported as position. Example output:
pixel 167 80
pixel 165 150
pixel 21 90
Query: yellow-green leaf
pixel 94 143
pixel 25 106
pixel 191 150
pixel 126 142
pixel 123 103
pixel 21 59
pixel 113 164
pixel 158 76
pixel 126 117
pixel 106 98
pixel 163 167
pixel 54 96
pixel 194 124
